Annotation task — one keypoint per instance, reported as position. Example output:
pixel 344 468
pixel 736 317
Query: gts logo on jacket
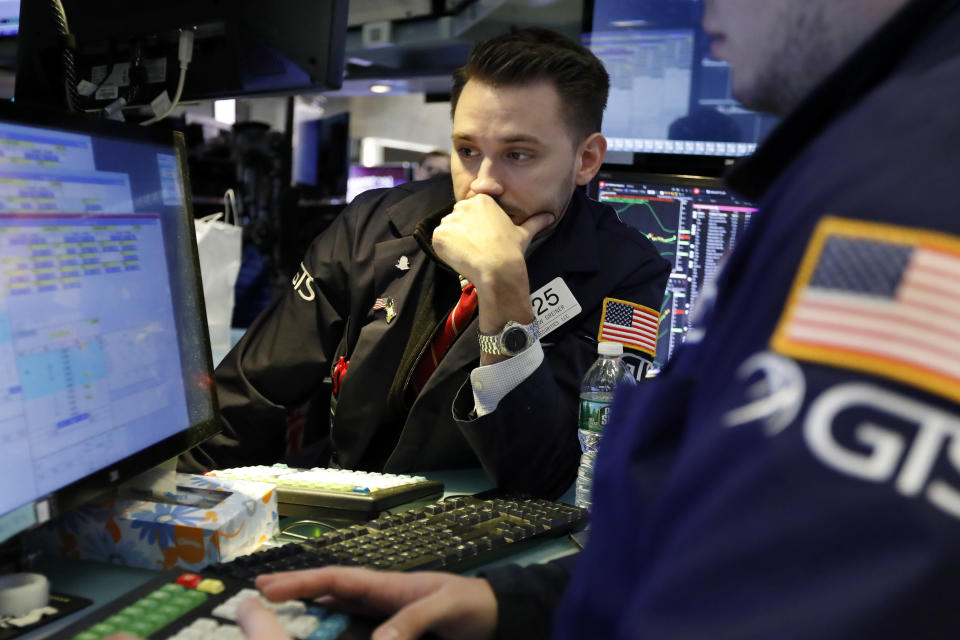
pixel 899 441
pixel 303 284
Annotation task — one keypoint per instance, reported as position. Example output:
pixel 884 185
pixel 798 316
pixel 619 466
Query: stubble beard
pixel 802 60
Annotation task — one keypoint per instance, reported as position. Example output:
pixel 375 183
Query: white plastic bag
pixel 220 246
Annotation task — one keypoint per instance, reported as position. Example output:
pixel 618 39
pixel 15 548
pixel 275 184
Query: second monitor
pixel 693 222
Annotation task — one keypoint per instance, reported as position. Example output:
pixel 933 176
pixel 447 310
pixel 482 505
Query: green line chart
pixel 656 218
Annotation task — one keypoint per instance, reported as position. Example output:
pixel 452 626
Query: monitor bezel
pixel 109 477
pixel 632 173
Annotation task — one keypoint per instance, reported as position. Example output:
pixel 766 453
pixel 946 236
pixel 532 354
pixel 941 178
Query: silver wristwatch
pixel 512 339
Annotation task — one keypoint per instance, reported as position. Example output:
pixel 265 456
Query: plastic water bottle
pixel 596 394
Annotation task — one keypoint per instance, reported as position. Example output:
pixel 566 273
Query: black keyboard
pixel 453 535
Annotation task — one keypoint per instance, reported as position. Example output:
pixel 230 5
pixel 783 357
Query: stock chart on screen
pixel 693 222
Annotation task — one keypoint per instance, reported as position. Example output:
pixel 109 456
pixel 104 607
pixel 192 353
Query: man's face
pixel 775 47
pixel 781 49
pixel 512 144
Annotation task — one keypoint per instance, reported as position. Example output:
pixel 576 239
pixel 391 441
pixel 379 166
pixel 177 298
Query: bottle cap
pixel 610 348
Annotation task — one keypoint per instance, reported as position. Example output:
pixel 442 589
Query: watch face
pixel 514 339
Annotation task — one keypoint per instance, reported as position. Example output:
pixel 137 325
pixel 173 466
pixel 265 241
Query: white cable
pixel 185 55
pixel 230 214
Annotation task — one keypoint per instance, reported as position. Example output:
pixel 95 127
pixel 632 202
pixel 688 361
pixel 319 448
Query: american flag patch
pixel 381 303
pixel 880 299
pixel 631 324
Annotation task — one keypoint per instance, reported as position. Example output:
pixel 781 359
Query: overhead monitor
pixel 9 17
pixel 105 366
pixel 381 177
pixel 321 155
pixel 129 49
pixel 693 222
pixel 668 95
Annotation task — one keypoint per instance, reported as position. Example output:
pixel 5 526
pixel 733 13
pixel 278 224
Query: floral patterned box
pixel 207 520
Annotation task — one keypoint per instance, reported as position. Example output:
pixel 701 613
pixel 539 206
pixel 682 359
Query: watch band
pixel 497 344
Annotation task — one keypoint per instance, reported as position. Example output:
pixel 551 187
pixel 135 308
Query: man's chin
pixel 516 217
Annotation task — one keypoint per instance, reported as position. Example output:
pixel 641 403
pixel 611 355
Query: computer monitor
pixel 693 222
pixel 321 155
pixel 9 17
pixel 105 366
pixel 384 176
pixel 129 49
pixel 668 95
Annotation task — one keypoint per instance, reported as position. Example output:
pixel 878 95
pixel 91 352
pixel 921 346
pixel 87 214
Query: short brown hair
pixel 531 54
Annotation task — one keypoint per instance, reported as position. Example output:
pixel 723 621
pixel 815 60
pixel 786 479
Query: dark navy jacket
pixel 754 491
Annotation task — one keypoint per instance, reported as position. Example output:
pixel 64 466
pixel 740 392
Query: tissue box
pixel 207 520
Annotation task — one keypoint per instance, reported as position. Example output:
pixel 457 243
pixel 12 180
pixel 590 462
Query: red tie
pixel 458 319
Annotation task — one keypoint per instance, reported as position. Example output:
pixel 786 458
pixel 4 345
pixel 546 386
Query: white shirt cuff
pixel 490 383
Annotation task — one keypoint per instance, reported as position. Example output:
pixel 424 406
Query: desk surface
pixel 103 582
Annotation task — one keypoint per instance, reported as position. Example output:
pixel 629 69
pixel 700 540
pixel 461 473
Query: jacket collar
pixel 426 201
pixel 904 43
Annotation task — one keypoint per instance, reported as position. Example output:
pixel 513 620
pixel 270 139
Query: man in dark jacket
pixel 456 320
pixel 795 473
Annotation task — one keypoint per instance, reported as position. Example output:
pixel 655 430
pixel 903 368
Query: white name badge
pixel 553 304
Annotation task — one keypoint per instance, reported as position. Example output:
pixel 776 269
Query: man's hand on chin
pixel 481 241
pixel 483 244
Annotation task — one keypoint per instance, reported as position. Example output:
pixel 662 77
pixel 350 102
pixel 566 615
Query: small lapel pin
pixel 403 263
pixel 388 306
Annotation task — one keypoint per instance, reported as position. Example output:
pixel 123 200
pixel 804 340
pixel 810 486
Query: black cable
pixel 68 46
pixel 111 63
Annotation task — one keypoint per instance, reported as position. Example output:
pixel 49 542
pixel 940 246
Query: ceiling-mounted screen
pixel 667 93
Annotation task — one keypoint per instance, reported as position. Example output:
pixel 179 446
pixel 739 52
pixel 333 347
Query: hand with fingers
pixel 483 242
pixel 450 606
pixel 487 245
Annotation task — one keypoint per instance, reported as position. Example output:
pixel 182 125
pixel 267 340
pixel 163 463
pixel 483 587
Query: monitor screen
pixel 9 17
pixel 667 94
pixel 104 358
pixel 129 49
pixel 365 178
pixel 692 221
pixel 321 154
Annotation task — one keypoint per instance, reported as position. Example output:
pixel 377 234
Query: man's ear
pixel 590 155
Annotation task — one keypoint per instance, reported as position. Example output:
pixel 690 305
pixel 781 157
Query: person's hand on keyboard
pixel 450 606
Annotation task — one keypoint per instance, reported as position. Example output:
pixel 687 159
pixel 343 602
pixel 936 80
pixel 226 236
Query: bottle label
pixel 594 415
pixel 589 441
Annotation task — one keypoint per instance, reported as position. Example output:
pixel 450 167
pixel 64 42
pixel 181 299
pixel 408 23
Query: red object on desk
pixel 189 580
